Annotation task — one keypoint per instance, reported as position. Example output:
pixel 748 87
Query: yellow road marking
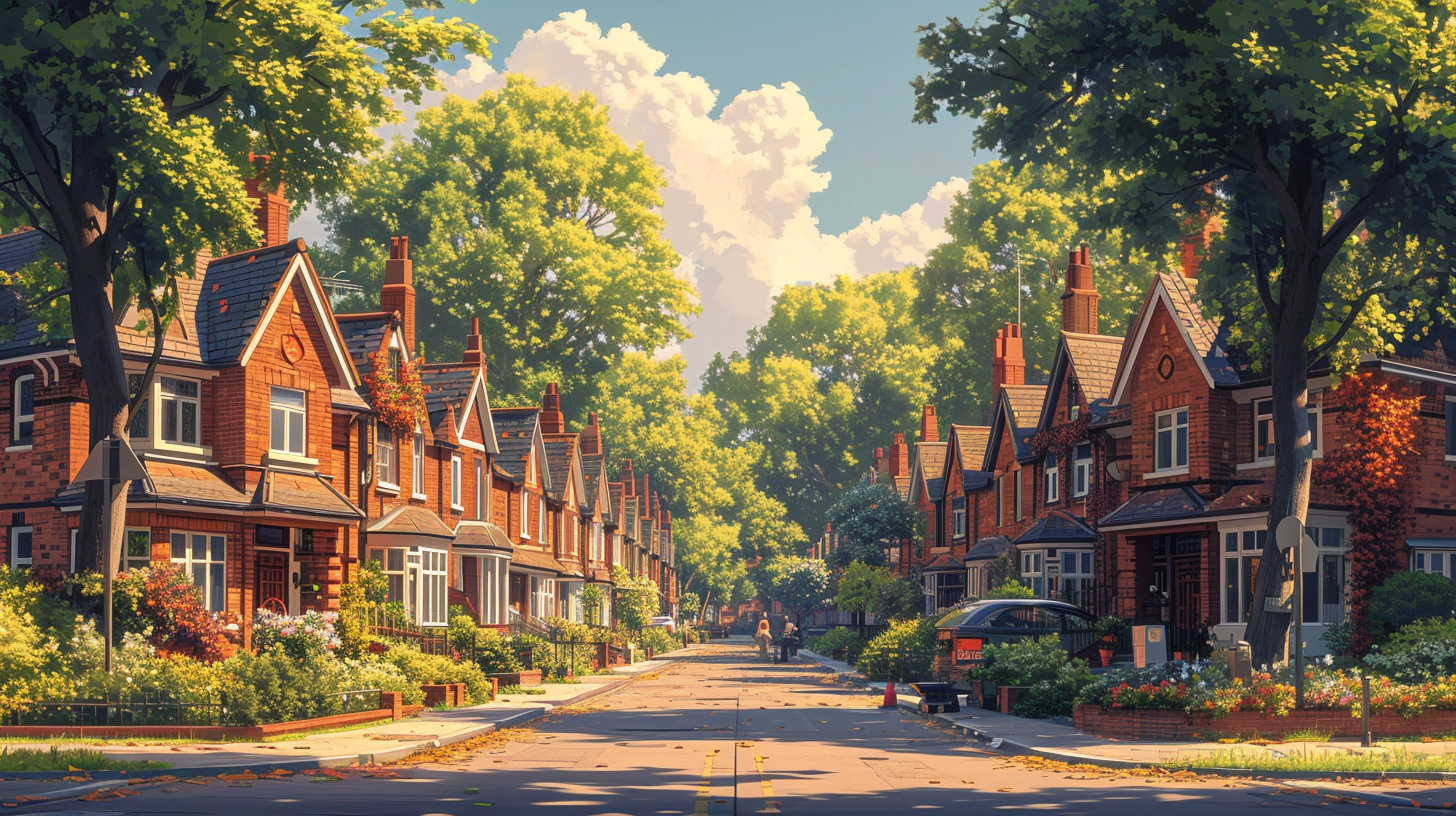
pixel 704 786
pixel 769 806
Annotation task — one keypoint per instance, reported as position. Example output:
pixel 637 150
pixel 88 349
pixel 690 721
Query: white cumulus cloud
pixel 736 206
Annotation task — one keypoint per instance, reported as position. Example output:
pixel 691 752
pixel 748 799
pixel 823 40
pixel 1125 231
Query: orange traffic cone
pixel 891 701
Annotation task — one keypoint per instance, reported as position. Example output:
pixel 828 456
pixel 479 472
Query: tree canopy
pixel 869 518
pixel 798 584
pixel 127 130
pixel 1309 123
pixel 527 210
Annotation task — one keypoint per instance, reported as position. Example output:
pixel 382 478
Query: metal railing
pixel 156 709
pixel 385 623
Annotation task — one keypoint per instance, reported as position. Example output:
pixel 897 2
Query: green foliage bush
pixel 1414 634
pixel 1024 662
pixel 904 651
pixel 659 640
pixel 274 687
pixel 1055 696
pixel 1408 597
pixel 637 598
pixel 425 668
pixel 1009 590
pixel 839 638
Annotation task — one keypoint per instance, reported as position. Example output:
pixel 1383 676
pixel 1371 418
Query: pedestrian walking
pixel 788 642
pixel 763 637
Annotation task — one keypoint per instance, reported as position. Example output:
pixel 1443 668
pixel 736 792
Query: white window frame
pixel 1081 470
pixel 17 441
pixel 129 561
pixel 1033 571
pixel 541 519
pixel 172 406
pixel 525 513
pixel 386 458
pixel 15 533
pixel 1315 418
pixel 958 518
pixel 417 466
pixel 480 489
pixel 1052 472
pixel 394 576
pixel 1083 574
pixel 434 591
pixel 455 486
pixel 1175 465
pixel 214 591
pixel 287 411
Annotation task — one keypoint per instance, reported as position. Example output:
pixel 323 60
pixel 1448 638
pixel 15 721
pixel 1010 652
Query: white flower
pixel 1329 660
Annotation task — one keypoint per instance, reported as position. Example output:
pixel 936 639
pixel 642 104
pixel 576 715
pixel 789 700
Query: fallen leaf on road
pixel 382 773
pixel 246 774
pixel 196 780
pixel 167 790
pixel 472 790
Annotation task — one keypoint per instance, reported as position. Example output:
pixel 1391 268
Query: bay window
pixel 1171 440
pixel 204 556
pixel 391 566
pixel 1077 580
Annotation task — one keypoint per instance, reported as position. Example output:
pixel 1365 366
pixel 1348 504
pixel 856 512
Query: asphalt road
pixel 720 734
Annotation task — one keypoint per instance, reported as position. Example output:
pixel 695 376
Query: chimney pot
pixel 398 293
pixel 270 207
pixel 929 427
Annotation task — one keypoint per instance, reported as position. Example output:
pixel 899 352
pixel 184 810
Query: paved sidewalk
pixel 375 743
pixel 1056 741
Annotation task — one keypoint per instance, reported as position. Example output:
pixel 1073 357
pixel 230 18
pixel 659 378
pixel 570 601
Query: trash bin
pixel 937 698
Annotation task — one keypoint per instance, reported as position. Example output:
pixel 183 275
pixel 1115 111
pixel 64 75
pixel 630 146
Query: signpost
pixel 113 463
pixel 1290 535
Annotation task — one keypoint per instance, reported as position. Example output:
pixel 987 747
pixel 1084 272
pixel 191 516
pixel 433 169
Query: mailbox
pixel 1240 662
pixel 1149 645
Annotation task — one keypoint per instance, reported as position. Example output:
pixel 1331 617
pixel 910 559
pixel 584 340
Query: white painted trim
pixel 387 487
pixel 174 370
pixel 1160 292
pixel 40 355
pixel 1163 474
pixel 475 446
pixel 22 448
pixel 289 458
pixel 321 311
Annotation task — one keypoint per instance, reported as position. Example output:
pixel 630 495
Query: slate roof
pixel 294 491
pixel 593 468
pixel 481 535
pixel 614 495
pixel 514 429
pixel 930 460
pixel 1058 527
pixel 247 282
pixel 1025 402
pixel 988 548
pixel 449 388
pixel 407 519
pixel 363 335
pixel 943 563
pixel 1094 362
pixel 559 450
pixel 199 485
pixel 16 250
pixel 345 398
pixel 1168 504
pixel 972 440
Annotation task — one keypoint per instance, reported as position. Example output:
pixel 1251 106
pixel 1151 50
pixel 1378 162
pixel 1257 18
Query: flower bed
pixel 1145 724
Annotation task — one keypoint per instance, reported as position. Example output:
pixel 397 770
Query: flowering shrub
pixel 1262 694
pixel 311 633
pixel 162 602
pixel 1193 682
pixel 1165 695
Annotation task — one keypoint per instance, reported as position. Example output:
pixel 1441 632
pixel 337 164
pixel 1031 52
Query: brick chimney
pixel 929 425
pixel 899 456
pixel 591 436
pixel 398 294
pixel 629 481
pixel 882 463
pixel 1079 302
pixel 551 419
pixel 644 489
pixel 1008 366
pixel 270 208
pixel 473 355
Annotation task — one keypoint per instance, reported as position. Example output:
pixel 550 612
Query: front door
pixel 520 593
pixel 272 573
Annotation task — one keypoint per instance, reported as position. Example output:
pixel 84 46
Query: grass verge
pixel 1319 761
pixel 22 760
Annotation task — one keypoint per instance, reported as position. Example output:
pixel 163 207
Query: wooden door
pixel 272 590
pixel 520 593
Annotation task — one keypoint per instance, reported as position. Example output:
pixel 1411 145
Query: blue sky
pixel 852 59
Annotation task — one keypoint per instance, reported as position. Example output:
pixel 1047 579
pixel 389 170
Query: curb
pixel 112 779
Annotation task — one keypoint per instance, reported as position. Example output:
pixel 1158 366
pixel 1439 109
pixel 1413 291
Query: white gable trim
pixel 1160 295
pixel 482 408
pixel 321 311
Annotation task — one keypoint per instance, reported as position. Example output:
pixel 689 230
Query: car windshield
pixel 966 615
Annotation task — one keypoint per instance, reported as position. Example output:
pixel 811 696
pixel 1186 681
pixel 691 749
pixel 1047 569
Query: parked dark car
pixel 965 631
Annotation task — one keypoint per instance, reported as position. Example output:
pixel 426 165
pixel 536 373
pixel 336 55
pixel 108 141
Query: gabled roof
pixel 1167 504
pixel 1089 358
pixel 988 548
pixel 1175 294
pixel 1058 527
pixel 944 562
pixel 565 466
pixel 364 335
pixel 518 438
pixel 1016 414
pixel 594 479
pixel 614 495
pixel 929 471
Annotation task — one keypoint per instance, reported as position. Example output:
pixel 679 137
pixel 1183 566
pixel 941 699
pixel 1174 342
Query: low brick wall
pixel 1125 724
pixel 451 694
pixel 390 708
pixel 1008 696
pixel 522 678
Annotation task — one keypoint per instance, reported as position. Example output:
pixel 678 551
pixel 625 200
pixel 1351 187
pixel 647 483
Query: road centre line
pixel 768 792
pixel 704 787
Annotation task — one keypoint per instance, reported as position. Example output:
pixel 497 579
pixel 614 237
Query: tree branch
pixel 176 112
pixel 1356 308
pixel 158 336
pixel 1269 174
pixel 1261 275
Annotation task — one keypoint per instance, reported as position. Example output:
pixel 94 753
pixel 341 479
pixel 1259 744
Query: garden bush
pixel 1422 631
pixel 1010 590
pixel 659 640
pixel 1407 597
pixel 425 668
pixel 273 686
pixel 162 602
pixel 1055 696
pixel 300 636
pixel 1024 662
pixel 904 651
pixel 839 638
pixel 1420 662
pixel 360 675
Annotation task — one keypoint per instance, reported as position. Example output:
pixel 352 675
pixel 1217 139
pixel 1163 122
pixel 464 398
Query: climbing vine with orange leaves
pixel 1373 472
pixel 398 396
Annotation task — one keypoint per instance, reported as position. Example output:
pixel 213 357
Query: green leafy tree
pixel 527 210
pixel 638 598
pixel 869 518
pixel 1312 123
pixel 126 133
pixel 1408 597
pixel 862 588
pixel 820 384
pixel 798 584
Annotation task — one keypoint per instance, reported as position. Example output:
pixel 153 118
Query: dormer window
pixel 181 409
pixel 22 427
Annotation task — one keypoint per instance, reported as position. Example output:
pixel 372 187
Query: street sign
pixel 112 460
pixel 1308 555
pixel 968 651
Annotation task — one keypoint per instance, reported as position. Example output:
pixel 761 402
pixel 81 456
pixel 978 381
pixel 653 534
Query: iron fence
pixel 156 709
pixel 386 623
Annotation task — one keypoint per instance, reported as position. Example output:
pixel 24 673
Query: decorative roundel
pixel 1165 367
pixel 292 348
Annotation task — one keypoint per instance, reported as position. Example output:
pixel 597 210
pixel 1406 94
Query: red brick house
pixel 534 568
pixel 246 432
pixel 599 519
